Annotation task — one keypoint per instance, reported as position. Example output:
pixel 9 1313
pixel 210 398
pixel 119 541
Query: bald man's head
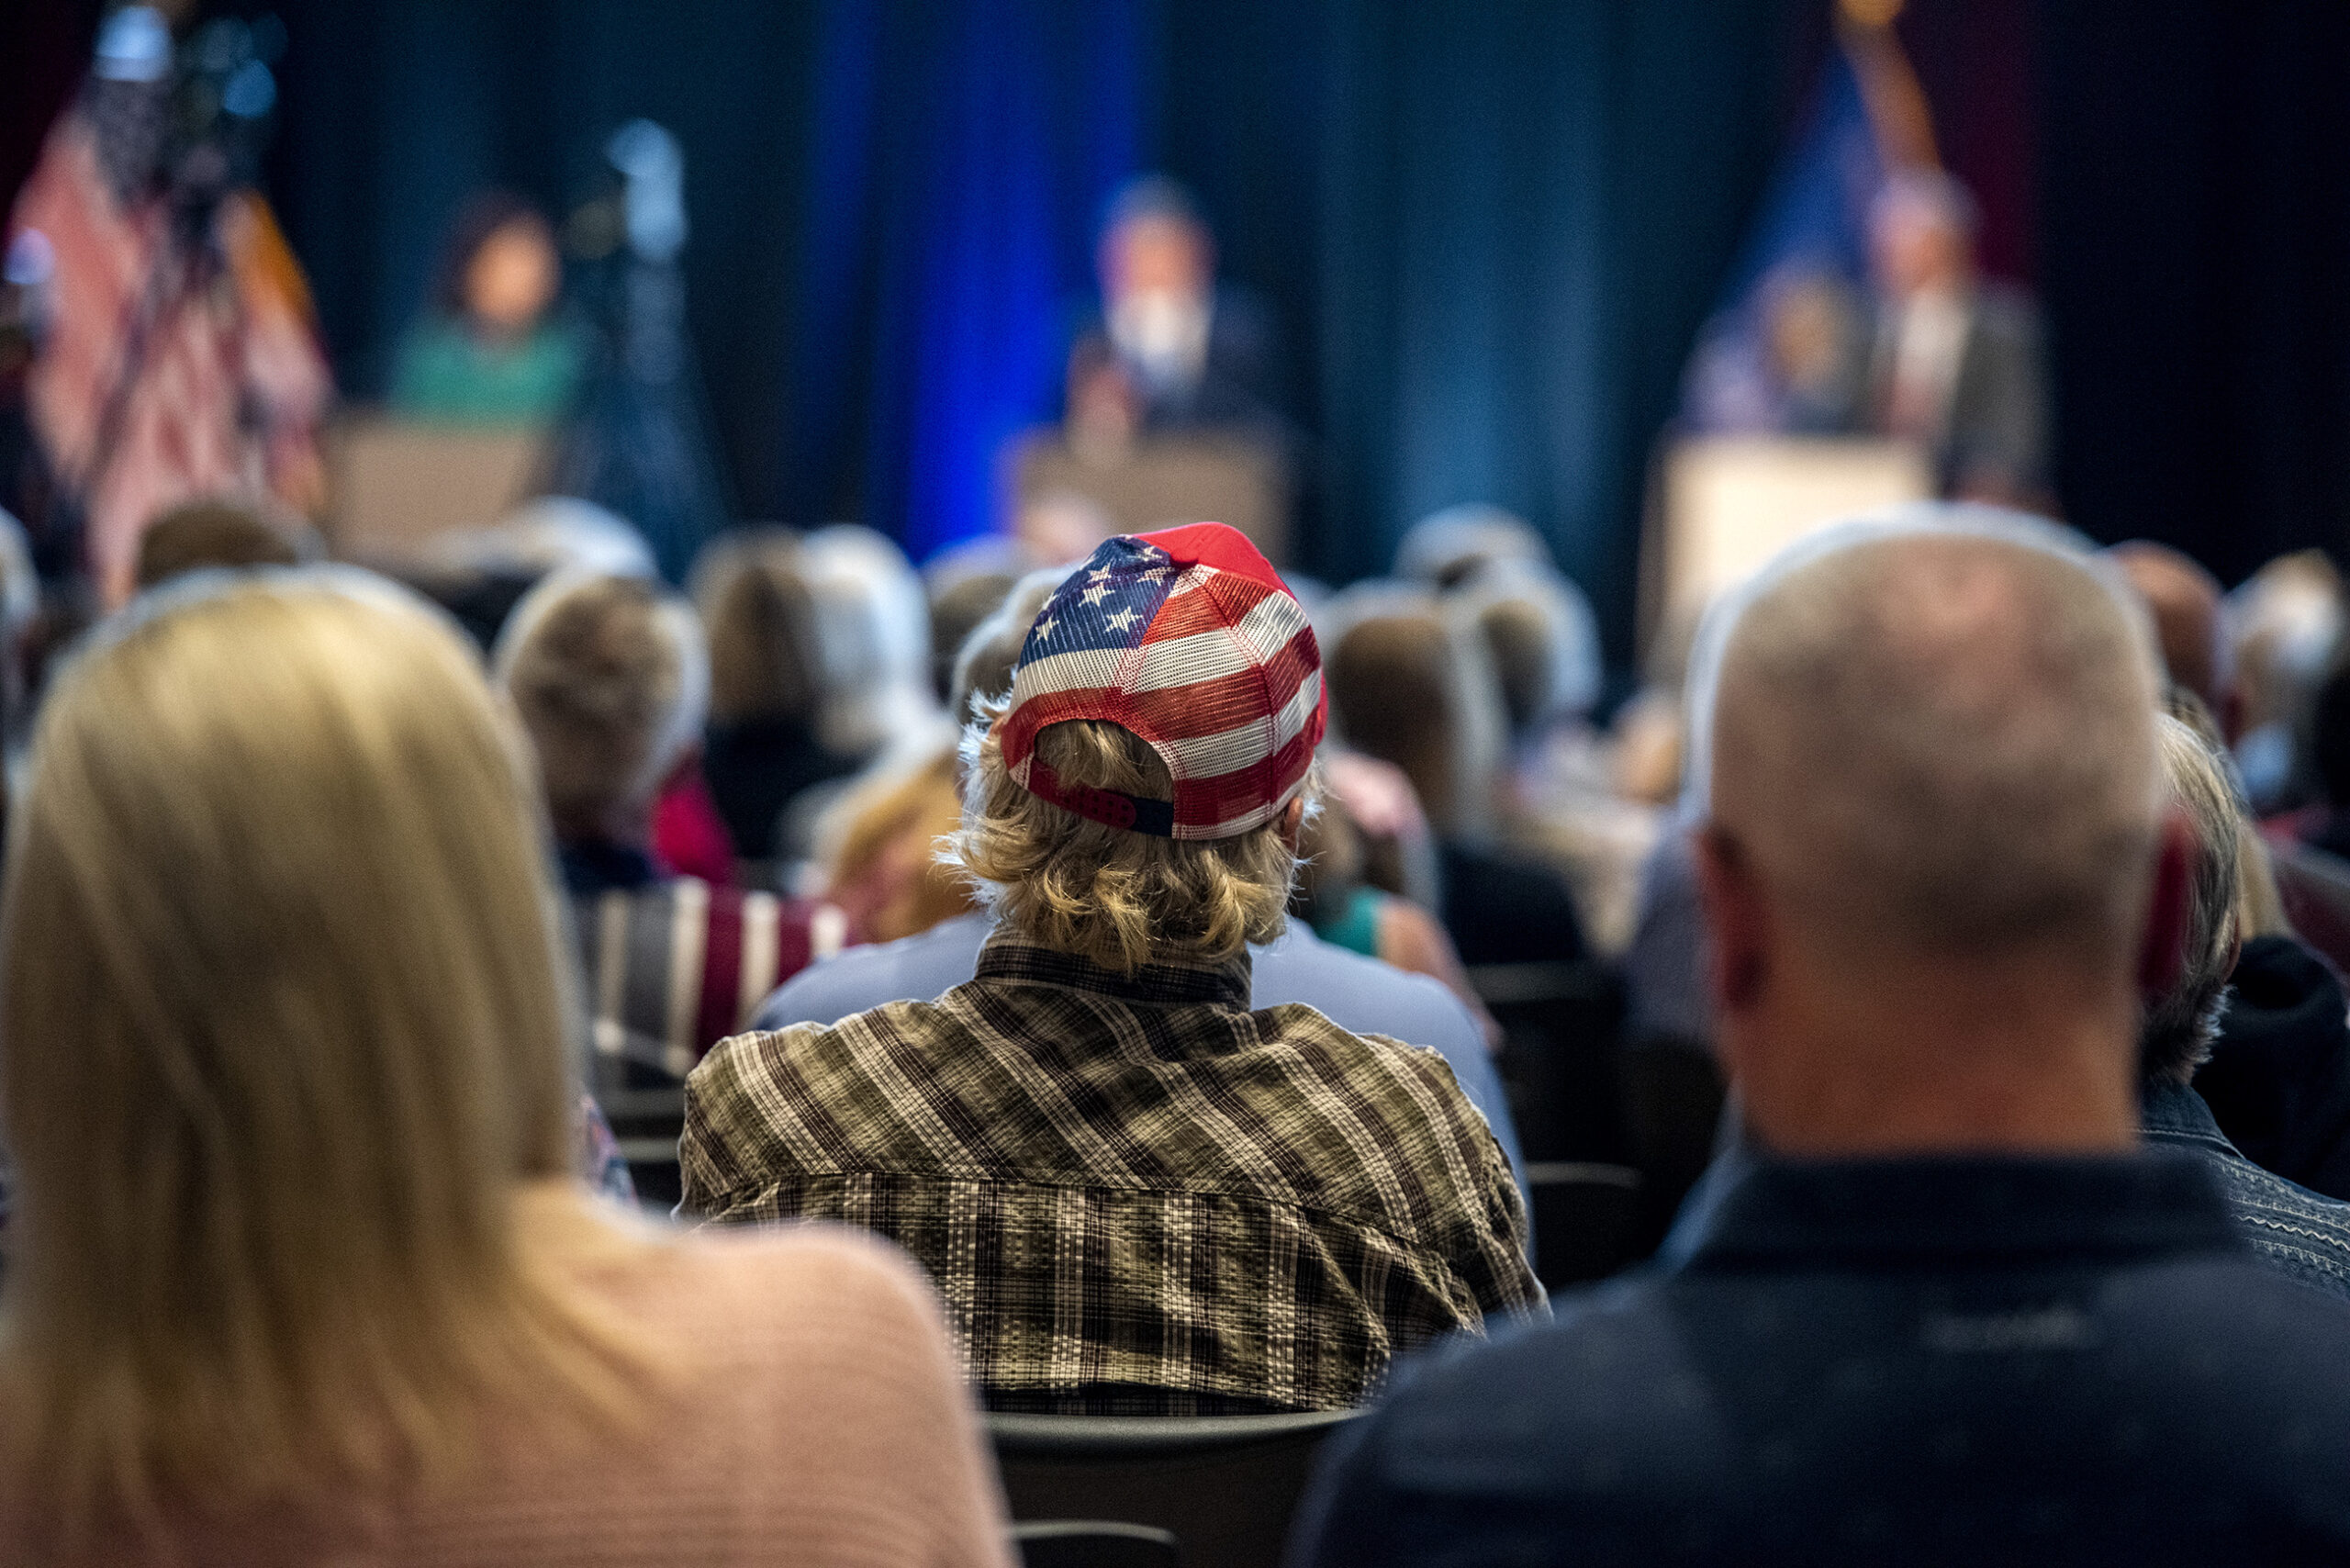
pixel 1943 742
pixel 2185 601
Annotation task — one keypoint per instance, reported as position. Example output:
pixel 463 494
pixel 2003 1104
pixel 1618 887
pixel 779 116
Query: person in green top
pixel 490 349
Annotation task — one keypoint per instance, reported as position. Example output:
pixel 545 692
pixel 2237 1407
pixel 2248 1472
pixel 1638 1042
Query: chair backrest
pixel 1560 1024
pixel 1674 1094
pixel 1225 1486
pixel 1094 1543
pixel 648 1122
pixel 1589 1218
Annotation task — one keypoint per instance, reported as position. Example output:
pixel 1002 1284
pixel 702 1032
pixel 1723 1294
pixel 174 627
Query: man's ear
pixel 2161 954
pixel 1737 924
pixel 1292 823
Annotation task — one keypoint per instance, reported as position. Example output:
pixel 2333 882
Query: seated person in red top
pixel 611 679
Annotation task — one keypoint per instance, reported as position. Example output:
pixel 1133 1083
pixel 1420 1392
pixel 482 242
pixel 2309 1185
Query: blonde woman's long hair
pixel 284 1074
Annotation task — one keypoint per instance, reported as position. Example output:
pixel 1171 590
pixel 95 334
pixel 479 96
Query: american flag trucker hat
pixel 1188 638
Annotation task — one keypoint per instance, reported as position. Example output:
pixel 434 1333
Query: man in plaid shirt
pixel 1137 1195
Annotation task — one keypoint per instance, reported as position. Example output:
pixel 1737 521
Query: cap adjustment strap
pixel 1134 813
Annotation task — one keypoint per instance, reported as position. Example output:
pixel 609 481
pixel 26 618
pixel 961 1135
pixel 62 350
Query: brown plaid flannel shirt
pixel 1136 1196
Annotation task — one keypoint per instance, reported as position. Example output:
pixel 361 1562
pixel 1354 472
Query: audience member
pixel 877 846
pixel 2278 1077
pixel 196 534
pixel 1412 688
pixel 2185 601
pixel 1344 909
pixel 2283 622
pixel 872 638
pixel 2310 845
pixel 1541 640
pixel 2278 1080
pixel 297 1273
pixel 1398 846
pixel 611 680
pixel 2300 1232
pixel 984 663
pixel 549 534
pixel 1442 549
pixel 491 349
pixel 955 611
pixel 1359 995
pixel 879 851
pixel 766 681
pixel 1560 798
pixel 1136 1194
pixel 1945 1310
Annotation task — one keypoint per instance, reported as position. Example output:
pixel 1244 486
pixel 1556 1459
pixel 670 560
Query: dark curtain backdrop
pixel 1487 232
pixel 2195 262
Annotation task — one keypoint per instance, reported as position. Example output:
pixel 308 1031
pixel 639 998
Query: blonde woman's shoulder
pixel 867 1409
pixel 820 1268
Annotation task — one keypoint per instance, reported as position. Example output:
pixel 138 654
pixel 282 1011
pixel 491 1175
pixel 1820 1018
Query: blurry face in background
pixel 512 277
pixel 1157 255
pixel 1918 249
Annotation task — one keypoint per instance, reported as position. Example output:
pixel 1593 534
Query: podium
pixel 1163 481
pixel 1724 505
pixel 397 485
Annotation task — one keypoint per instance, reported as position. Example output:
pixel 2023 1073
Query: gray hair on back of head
pixel 611 675
pixel 984 664
pixel 1936 727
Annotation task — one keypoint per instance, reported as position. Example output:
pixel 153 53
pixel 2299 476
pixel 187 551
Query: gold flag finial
pixel 1870 13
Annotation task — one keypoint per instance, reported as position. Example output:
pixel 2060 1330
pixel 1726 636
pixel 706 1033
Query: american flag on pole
pixel 1188 638
pixel 213 379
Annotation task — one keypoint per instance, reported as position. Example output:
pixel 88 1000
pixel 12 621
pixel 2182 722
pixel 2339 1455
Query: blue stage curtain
pixel 1489 232
pixel 1528 208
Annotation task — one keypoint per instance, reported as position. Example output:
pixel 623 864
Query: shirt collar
pixel 1224 985
pixel 1965 1209
pixel 2175 1113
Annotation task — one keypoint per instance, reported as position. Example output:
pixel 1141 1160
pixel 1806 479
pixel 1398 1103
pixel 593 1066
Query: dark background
pixel 1489 232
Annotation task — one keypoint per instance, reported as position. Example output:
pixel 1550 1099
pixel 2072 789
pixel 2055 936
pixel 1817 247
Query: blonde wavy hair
pixel 883 870
pixel 285 1077
pixel 1118 897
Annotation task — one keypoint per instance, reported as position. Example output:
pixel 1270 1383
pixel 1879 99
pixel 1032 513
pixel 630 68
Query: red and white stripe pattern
pixel 231 384
pixel 1188 638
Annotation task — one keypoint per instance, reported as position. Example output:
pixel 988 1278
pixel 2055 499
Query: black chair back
pixel 1224 1486
pixel 1587 1220
pixel 1094 1543
pixel 1673 1110
pixel 1560 1024
pixel 648 1122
